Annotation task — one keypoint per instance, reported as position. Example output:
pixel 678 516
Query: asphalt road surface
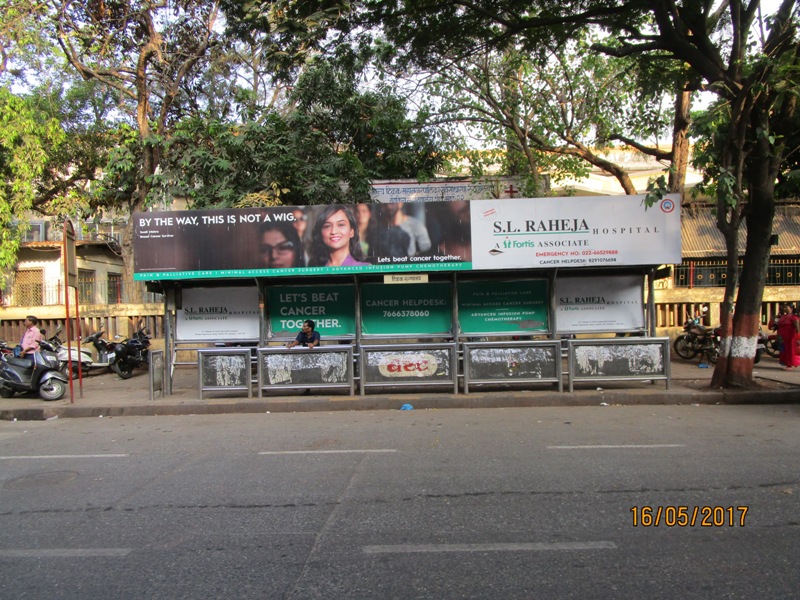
pixel 593 502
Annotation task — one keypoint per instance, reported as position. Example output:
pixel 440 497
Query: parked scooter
pixel 84 357
pixel 131 353
pixel 38 372
pixel 105 350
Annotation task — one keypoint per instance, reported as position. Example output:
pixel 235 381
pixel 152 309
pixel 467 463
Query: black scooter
pixel 39 373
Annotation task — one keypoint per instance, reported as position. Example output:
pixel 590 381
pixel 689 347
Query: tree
pixel 334 134
pixel 559 111
pixel 26 136
pixel 143 51
pixel 754 76
pixel 21 25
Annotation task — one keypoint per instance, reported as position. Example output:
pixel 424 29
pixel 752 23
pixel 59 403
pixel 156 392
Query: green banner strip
pixel 233 273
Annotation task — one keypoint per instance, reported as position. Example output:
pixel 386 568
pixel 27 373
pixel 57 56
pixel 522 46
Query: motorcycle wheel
pixel 683 347
pixel 758 356
pixel 53 389
pixel 772 348
pixel 6 392
pixel 65 371
pixel 712 354
pixel 123 370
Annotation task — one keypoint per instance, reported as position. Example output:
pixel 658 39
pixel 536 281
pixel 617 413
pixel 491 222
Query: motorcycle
pixel 105 350
pixel 697 339
pixel 131 353
pixel 77 355
pixel 761 345
pixel 39 373
pixel 772 346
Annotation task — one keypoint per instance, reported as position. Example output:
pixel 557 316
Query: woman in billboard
pixel 280 246
pixel 335 242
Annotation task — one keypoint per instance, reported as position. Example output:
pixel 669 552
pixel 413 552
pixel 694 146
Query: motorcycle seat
pixel 23 361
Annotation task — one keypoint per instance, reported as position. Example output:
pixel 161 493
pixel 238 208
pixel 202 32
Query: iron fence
pixel 26 289
pixel 712 273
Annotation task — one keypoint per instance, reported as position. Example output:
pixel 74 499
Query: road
pixel 439 504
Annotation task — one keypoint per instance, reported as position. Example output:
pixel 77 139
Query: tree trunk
pixel 730 231
pixel 680 142
pixel 740 334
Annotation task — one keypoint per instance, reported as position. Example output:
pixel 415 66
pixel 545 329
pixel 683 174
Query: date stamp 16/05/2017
pixel 689 516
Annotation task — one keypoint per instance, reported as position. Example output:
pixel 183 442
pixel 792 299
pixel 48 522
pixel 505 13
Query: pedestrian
pixel 308 338
pixel 30 337
pixel 789 334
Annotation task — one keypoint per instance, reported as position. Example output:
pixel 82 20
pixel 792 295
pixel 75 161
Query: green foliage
pixel 335 134
pixel 22 41
pixel 657 188
pixel 26 136
pixel 555 112
pixel 118 184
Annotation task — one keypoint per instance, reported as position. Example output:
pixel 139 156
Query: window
pixel 114 295
pixel 35 233
pixel 29 287
pixel 86 285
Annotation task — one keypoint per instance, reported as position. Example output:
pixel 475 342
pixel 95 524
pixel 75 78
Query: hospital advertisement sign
pixel 397 237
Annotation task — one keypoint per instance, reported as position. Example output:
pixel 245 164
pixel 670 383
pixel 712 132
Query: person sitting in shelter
pixel 307 338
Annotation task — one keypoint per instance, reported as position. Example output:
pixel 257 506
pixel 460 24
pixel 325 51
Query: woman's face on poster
pixel 300 221
pixel 276 251
pixel 363 214
pixel 336 231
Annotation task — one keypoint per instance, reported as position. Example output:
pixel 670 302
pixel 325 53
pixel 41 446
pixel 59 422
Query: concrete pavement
pixel 105 395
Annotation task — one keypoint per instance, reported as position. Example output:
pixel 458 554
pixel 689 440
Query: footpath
pixel 106 395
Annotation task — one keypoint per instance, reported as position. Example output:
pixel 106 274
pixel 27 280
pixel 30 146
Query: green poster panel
pixel 503 306
pixel 411 309
pixel 331 307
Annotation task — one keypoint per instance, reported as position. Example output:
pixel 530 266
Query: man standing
pixel 307 336
pixel 31 336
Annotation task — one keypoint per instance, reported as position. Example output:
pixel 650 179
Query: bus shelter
pixel 487 296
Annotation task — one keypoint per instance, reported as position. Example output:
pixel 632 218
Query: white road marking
pixel 65 553
pixel 616 446
pixel 509 547
pixel 47 456
pixel 379 450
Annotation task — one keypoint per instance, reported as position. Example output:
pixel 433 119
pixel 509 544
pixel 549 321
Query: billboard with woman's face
pixel 413 236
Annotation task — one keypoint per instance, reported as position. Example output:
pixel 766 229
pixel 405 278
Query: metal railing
pixel 112 291
pixel 712 273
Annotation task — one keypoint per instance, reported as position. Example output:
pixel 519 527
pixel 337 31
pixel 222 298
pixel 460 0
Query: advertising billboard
pixel 396 237
pixel 599 304
pixel 503 306
pixel 211 314
pixel 331 307
pixel 420 309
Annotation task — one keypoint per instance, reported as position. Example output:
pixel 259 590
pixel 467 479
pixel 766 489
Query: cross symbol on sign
pixel 511 191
